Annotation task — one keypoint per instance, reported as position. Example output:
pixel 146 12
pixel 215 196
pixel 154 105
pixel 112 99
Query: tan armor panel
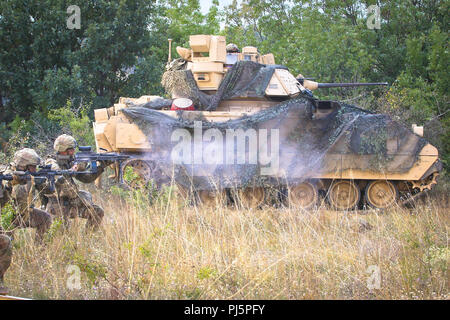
pixel 101 115
pixel 208 74
pixel 214 46
pixel 129 137
pixel 268 59
pixel 249 54
pixel 200 42
pixel 208 56
pixel 282 83
pixel 218 50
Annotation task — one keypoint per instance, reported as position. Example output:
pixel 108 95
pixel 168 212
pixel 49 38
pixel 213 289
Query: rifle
pixel 22 174
pixel 44 174
pixel 85 155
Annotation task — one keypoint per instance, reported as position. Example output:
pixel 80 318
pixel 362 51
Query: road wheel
pixel 303 195
pixel 143 172
pixel 184 193
pixel 344 195
pixel 139 176
pixel 381 194
pixel 211 198
pixel 250 197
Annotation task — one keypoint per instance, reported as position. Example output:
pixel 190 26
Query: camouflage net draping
pixel 346 138
pixel 156 104
pixel 246 79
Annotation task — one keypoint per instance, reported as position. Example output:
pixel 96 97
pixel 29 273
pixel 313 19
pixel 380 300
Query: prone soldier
pixel 67 200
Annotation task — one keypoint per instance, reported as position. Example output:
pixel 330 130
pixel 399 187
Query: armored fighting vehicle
pixel 236 125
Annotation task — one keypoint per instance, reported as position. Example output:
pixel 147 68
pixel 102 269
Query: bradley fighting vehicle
pixel 349 155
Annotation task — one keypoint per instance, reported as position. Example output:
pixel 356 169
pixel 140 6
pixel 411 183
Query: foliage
pixel 7 215
pixel 74 122
pixel 93 270
pixel 196 252
pixel 43 63
pixel 55 228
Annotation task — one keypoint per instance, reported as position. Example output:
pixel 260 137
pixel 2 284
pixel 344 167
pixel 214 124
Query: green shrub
pixel 74 121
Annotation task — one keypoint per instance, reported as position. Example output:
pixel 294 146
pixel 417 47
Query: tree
pixel 43 63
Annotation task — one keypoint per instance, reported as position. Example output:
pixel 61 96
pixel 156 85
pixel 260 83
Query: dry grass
pixel 169 250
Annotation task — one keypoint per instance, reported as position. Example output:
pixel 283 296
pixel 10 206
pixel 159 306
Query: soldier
pixel 5 259
pixel 232 48
pixel 232 55
pixel 22 190
pixel 68 201
pixel 5 246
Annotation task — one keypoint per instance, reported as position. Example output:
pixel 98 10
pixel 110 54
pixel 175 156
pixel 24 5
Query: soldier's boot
pixel 66 222
pixel 41 220
pixel 5 260
pixel 94 217
pixel 57 211
pixel 45 227
pixel 69 212
pixel 53 206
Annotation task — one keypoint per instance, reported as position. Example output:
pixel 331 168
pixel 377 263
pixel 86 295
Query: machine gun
pixel 86 155
pixel 49 174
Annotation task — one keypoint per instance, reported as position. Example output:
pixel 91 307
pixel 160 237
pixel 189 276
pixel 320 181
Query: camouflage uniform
pixel 20 190
pixel 68 201
pixel 3 191
pixel 5 244
pixel 5 258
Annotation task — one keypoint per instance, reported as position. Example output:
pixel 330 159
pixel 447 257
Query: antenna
pixel 170 50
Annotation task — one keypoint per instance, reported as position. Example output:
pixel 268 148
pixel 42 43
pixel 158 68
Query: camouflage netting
pixel 156 104
pixel 246 79
pixel 346 138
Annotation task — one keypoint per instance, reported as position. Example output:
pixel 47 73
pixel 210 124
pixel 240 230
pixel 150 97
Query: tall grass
pixel 165 248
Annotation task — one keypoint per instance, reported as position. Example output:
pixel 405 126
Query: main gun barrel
pixel 354 84
pixel 313 85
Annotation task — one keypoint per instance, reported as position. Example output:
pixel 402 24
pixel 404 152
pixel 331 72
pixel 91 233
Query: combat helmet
pixel 26 157
pixel 231 47
pixel 64 142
